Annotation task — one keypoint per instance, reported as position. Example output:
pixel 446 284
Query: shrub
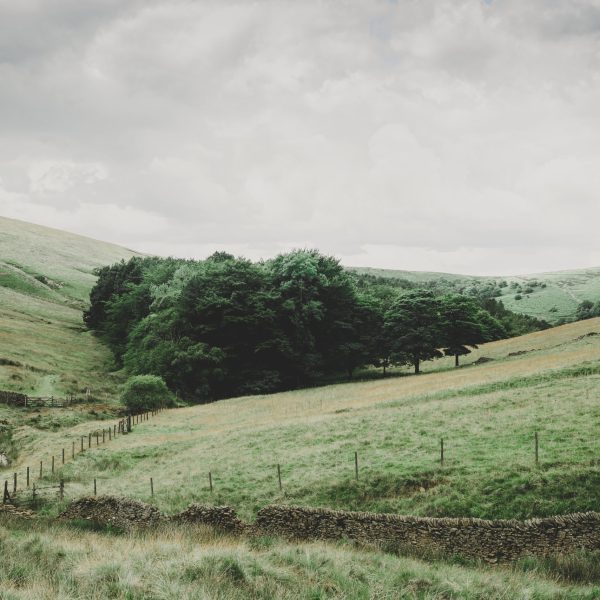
pixel 146 392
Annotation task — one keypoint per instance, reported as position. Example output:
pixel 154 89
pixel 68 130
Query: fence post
pixel 109 434
pixel 94 487
pixel 6 494
pixel 442 451
pixel 210 481
pixel 89 440
pixel 53 464
pixel 73 450
pixel 81 443
pixel 103 435
pixel 63 456
pixel 97 435
pixel 356 465
pixel 61 489
pixel 40 469
pixel 279 475
pixel 128 423
pixel 33 494
pixel 537 455
pixel 27 476
pixel 114 430
pixel 151 487
pixel 14 483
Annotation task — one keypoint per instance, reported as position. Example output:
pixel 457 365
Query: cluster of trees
pixel 587 310
pixel 226 326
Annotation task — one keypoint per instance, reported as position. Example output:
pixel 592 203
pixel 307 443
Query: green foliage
pixel 587 310
pixel 145 392
pixel 465 324
pixel 226 326
pixel 413 325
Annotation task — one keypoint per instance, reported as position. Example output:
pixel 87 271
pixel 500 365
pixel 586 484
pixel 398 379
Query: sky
pixel 459 136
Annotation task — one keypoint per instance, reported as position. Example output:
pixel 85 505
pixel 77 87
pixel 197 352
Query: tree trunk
pixel 417 370
pixel 384 370
pixel 456 360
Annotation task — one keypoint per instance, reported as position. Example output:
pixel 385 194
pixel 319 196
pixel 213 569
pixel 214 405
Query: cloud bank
pixel 418 134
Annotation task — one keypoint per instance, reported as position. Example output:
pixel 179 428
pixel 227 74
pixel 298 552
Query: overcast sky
pixel 458 136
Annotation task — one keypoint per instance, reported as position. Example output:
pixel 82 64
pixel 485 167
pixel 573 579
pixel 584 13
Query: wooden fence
pixel 22 400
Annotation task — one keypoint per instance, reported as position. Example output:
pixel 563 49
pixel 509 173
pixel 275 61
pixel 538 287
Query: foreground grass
pixel 40 562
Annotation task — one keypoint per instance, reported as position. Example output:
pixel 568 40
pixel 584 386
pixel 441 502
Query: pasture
pixel 488 414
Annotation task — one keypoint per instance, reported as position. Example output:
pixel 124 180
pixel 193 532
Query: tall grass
pixel 64 562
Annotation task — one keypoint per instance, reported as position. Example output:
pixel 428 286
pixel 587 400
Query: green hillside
pixel 45 279
pixel 487 412
pixel 553 296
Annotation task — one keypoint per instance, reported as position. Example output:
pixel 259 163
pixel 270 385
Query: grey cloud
pixel 431 130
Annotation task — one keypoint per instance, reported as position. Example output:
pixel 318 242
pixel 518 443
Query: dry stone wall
pixel 123 513
pixel 221 517
pixel 492 541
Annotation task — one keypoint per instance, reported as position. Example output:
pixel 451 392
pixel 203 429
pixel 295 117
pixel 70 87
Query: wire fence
pixel 22 486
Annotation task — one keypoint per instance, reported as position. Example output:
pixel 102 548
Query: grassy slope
pixel 45 279
pixel 558 300
pixel 487 414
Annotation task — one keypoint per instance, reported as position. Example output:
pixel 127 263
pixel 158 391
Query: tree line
pixel 226 326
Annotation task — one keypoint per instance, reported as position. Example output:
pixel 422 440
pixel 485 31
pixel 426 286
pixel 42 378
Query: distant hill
pixel 553 296
pixel 45 279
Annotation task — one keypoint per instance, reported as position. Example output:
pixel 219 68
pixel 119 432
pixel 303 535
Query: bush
pixel 146 392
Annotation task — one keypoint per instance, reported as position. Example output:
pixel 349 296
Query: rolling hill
pixel 487 411
pixel 45 279
pixel 553 296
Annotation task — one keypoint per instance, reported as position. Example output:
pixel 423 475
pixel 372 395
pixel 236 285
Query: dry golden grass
pixel 63 562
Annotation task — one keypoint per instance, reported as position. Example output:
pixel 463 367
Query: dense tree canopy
pixel 226 326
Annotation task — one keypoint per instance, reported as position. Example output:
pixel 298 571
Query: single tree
pixel 413 328
pixel 145 392
pixel 462 328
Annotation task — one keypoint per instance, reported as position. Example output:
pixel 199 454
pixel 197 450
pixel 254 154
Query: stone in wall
pixel 221 517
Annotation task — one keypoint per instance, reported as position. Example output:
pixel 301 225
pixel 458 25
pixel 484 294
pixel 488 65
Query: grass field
pixel 45 279
pixel 556 297
pixel 487 414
